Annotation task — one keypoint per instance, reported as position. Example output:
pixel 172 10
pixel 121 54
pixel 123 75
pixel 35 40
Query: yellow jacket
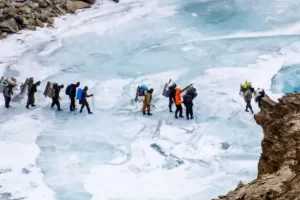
pixel 148 98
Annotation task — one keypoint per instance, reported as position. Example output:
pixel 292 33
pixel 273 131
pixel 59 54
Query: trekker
pixel 247 98
pixel 83 100
pixel 71 91
pixel 7 93
pixel 178 102
pixel 32 90
pixel 260 94
pixel 55 99
pixel 171 88
pixel 245 86
pixel 188 103
pixel 147 102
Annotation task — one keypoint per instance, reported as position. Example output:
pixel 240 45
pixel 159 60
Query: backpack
pixel 68 89
pixel 143 89
pixel 79 94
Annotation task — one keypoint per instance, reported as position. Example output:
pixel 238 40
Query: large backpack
pixel 79 94
pixel 143 89
pixel 68 90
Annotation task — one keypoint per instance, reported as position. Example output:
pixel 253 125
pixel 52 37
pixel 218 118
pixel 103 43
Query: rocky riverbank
pixel 278 168
pixel 16 15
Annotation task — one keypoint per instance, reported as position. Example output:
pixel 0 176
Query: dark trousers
pixel 248 105
pixel 55 101
pixel 189 111
pixel 178 109
pixel 7 101
pixel 30 100
pixel 87 106
pixel 72 105
pixel 170 102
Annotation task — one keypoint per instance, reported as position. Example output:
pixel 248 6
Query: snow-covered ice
pixel 117 153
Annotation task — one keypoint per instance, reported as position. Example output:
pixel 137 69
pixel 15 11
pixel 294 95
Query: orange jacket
pixel 178 100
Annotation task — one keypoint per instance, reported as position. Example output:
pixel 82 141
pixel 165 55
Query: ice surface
pixel 118 153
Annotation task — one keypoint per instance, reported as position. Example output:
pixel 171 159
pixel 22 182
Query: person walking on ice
pixel 147 102
pixel 83 100
pixel 31 91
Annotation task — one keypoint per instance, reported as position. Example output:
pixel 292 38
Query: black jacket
pixel 33 89
pixel 72 93
pixel 172 93
pixel 188 100
pixel 57 91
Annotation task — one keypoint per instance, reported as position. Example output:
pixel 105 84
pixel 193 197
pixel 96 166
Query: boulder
pixel 71 8
pixel 9 26
pixel 50 20
pixel 31 27
pixel 2 5
pixel 3 35
pixel 42 4
pixel 81 4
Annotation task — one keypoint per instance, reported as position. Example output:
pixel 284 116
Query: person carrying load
pixel 171 93
pixel 8 91
pixel 32 89
pixel 244 87
pixel 71 92
pixel 147 102
pixel 141 91
pixel 55 99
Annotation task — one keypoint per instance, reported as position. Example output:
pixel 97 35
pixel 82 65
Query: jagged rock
pixel 70 6
pixel 81 4
pixel 278 168
pixel 9 26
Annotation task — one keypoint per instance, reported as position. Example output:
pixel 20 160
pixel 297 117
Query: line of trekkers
pixel 52 91
pixel 171 91
pixel 175 95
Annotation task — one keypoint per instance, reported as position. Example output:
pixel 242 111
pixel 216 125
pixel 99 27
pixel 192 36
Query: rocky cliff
pixel 29 14
pixel 278 168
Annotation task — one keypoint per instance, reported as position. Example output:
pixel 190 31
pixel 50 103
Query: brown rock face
pixel 16 15
pixel 278 168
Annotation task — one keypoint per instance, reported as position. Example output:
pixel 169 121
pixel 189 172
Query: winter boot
pixel 170 108
pixel 90 112
pixel 187 118
pixel 149 113
pixel 192 117
pixel 27 107
pixel 33 105
pixel 144 113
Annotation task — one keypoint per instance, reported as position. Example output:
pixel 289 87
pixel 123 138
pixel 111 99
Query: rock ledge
pixel 278 168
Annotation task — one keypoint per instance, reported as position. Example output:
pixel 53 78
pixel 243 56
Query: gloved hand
pixel 92 95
